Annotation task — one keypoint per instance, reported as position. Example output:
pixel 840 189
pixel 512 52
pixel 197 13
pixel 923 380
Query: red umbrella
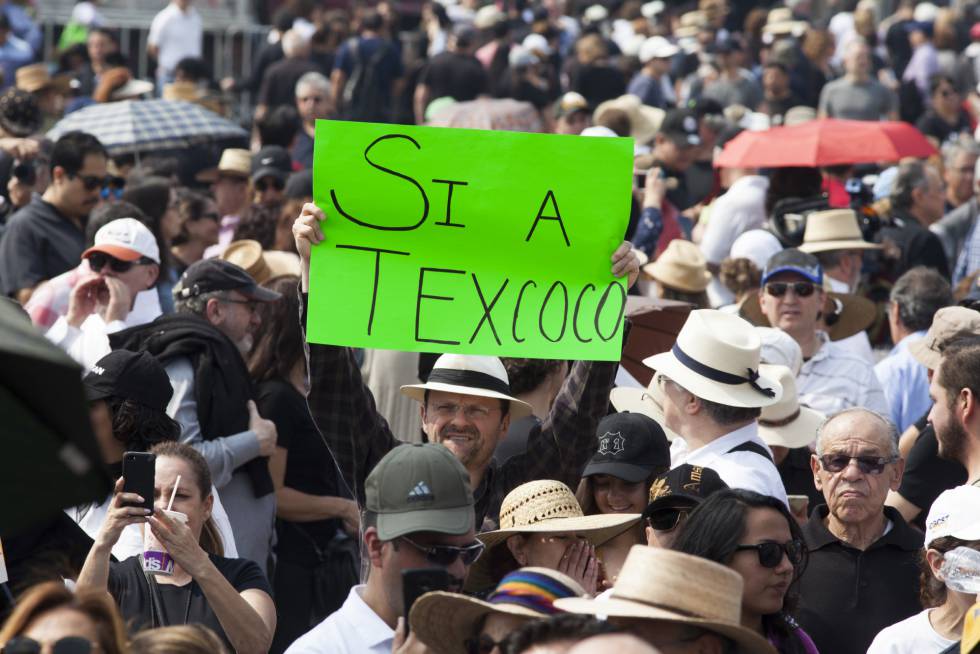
pixel 825 142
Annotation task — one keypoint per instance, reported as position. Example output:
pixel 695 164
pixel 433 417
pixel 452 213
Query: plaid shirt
pixel 358 436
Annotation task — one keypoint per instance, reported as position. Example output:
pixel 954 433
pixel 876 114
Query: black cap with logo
pixel 681 127
pixel 684 486
pixel 271 161
pixel 127 375
pixel 210 275
pixel 631 447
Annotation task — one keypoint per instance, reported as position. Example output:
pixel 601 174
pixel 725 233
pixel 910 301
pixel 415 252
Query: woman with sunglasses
pixel 198 223
pixel 756 536
pixel 51 618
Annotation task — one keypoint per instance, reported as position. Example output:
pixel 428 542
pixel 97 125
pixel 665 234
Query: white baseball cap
pixel 537 43
pixel 126 239
pixel 657 47
pixel 955 513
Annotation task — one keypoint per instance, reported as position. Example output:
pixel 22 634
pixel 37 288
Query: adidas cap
pixel 420 487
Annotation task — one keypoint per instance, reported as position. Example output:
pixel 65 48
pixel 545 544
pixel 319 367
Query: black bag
pixel 364 98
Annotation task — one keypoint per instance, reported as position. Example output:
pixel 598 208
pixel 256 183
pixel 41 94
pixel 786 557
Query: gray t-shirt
pixel 744 90
pixel 869 100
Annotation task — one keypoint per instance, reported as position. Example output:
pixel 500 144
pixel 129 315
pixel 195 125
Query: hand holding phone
pixel 419 581
pixel 139 474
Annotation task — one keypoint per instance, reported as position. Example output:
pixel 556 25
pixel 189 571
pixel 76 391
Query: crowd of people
pixel 797 471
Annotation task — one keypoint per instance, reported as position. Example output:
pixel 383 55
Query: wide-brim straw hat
pixel 528 593
pixel 132 89
pixel 716 357
pixel 661 584
pixel 468 374
pixel 645 120
pixel 262 265
pixel 836 229
pixel 847 314
pixel 36 77
pixel 236 162
pixel 681 266
pixel 786 423
pixel 691 23
pixel 648 401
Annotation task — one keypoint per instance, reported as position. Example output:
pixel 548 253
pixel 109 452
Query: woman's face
pixel 170 221
pixel 546 550
pixel 188 499
pixel 52 626
pixel 614 495
pixel 205 229
pixel 764 588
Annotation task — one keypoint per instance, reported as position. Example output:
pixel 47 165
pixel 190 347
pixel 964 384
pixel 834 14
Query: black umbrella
pixel 50 458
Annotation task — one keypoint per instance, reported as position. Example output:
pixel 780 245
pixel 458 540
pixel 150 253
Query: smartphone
pixel 139 472
pixel 419 581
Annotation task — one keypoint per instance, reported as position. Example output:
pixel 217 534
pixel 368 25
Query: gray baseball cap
pixel 420 487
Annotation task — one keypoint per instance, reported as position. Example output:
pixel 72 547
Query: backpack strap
pixel 751 446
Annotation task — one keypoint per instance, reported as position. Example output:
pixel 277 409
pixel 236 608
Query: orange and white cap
pixel 126 239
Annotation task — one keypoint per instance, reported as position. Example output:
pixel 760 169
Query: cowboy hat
pixel 36 77
pixel 836 229
pixel 661 584
pixel 468 374
pixel 691 23
pixel 786 423
pixel 844 314
pixel 780 22
pixel 234 162
pixel 681 266
pixel 716 357
pixel 528 592
pixel 649 401
pixel 645 120
pixel 262 265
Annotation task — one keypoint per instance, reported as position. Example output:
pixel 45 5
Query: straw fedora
pixel 262 265
pixel 836 229
pixel 527 592
pixel 786 423
pixel 234 162
pixel 644 120
pixel 844 314
pixel 949 324
pixel 36 77
pixel 661 584
pixel 691 23
pixel 468 374
pixel 681 266
pixel 716 357
pixel 649 401
pixel 780 22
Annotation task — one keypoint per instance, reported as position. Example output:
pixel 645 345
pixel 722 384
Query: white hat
pixel 652 9
pixel 468 374
pixel 779 349
pixel 595 14
pixel 716 357
pixel 955 513
pixel 648 401
pixel 126 239
pixel 786 423
pixel 488 16
pixel 657 47
pixel 925 12
pixel 598 130
pixel 537 44
pixel 520 56
pixel 756 245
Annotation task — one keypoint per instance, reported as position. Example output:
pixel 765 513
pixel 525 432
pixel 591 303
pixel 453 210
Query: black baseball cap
pixel 795 261
pixel 271 161
pixel 681 127
pixel 631 446
pixel 128 375
pixel 210 275
pixel 684 486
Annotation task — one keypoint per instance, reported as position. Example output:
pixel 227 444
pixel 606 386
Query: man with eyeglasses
pixel 862 575
pixel 47 236
pixel 418 513
pixel 832 377
pixel 673 495
pixel 201 347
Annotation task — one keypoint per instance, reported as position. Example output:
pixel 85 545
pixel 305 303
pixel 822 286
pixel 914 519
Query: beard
pixel 468 448
pixel 952 441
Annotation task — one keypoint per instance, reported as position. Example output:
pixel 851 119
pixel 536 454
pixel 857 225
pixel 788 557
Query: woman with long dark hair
pixel 756 536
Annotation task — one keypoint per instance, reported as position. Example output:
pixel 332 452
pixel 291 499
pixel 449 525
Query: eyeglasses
pixel 473 412
pixel 66 645
pixel 666 519
pixel 483 644
pixel 802 289
pixel 92 182
pixel 266 183
pixel 445 555
pixel 869 465
pixel 771 554
pixel 99 260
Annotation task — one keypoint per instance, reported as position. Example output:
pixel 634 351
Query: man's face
pixel 312 103
pixel 675 400
pixel 793 313
pixel 78 194
pixel 675 156
pixel 930 201
pixel 670 637
pixel 99 45
pixel 137 279
pixel 855 497
pixel 268 189
pixel 858 60
pixel 951 435
pixel 230 194
pixel 960 176
pixel 399 555
pixel 236 317
pixel 660 66
pixel 774 81
pixel 470 426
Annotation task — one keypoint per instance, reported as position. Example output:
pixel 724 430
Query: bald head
pixel 858 420
pixel 613 644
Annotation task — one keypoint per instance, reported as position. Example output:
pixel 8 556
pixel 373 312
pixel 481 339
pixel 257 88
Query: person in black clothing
pixel 591 75
pixel 364 73
pixel 316 558
pixel 917 201
pixel 945 119
pixel 229 596
pixel 279 83
pixel 455 73
pixel 777 95
pixel 269 54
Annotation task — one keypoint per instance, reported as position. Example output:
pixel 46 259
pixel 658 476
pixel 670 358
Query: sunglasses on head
pixel 445 555
pixel 482 644
pixel 269 183
pixel 802 289
pixel 869 465
pixel 99 260
pixel 771 554
pixel 66 645
pixel 666 519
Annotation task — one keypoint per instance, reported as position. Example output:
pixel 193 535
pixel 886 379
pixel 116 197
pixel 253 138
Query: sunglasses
pixel 445 555
pixel 869 465
pixel 802 289
pixel 67 645
pixel 92 182
pixel 771 554
pixel 666 519
pixel 482 644
pixel 99 260
pixel 264 184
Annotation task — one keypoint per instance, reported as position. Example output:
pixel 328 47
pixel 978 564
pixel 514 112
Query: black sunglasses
pixel 266 183
pixel 98 260
pixel 67 645
pixel 869 465
pixel 771 554
pixel 92 182
pixel 666 519
pixel 445 555
pixel 802 289
pixel 482 644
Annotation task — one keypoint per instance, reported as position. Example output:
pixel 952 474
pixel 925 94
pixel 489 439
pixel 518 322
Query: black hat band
pixel 721 376
pixel 469 378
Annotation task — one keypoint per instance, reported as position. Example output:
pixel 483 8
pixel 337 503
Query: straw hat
pixel 644 120
pixel 37 77
pixel 690 24
pixel 681 266
pixel 528 592
pixel 661 584
pixel 844 314
pixel 468 374
pixel 716 357
pixel 780 22
pixel 235 162
pixel 133 88
pixel 649 401
pixel 262 265
pixel 786 423
pixel 948 325
pixel 836 229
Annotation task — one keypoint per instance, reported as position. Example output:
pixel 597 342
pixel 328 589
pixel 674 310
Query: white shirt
pixel 746 470
pixel 176 34
pixel 353 629
pixel 740 209
pixel 913 635
pixel 834 379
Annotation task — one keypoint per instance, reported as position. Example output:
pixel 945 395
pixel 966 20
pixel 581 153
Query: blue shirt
pixel 905 382
pixel 14 53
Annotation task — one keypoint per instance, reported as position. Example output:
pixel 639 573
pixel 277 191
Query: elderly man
pixel 832 378
pixel 863 574
pixel 466 405
pixel 958 231
pixel 279 84
pixel 857 95
pixel 313 103
pixel 955 391
pixel 712 398
pixel 917 200
pixel 959 172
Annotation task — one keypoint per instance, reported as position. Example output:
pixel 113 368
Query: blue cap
pixel 794 261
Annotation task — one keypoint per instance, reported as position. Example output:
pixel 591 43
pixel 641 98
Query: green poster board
pixel 469 241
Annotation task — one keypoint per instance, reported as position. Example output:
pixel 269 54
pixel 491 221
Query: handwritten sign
pixel 469 241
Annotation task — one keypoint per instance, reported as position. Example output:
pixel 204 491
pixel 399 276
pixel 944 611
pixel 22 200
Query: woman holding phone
pixel 230 596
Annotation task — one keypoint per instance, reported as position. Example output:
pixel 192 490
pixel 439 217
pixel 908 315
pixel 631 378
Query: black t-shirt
pixel 926 475
pixel 797 476
pixel 932 125
pixel 38 244
pixel 186 604
pixel 596 83
pixel 918 245
pixel 279 83
pixel 458 76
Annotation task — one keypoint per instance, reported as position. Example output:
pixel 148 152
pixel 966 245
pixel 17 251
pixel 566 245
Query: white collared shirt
pixel 743 469
pixel 834 379
pixel 353 629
